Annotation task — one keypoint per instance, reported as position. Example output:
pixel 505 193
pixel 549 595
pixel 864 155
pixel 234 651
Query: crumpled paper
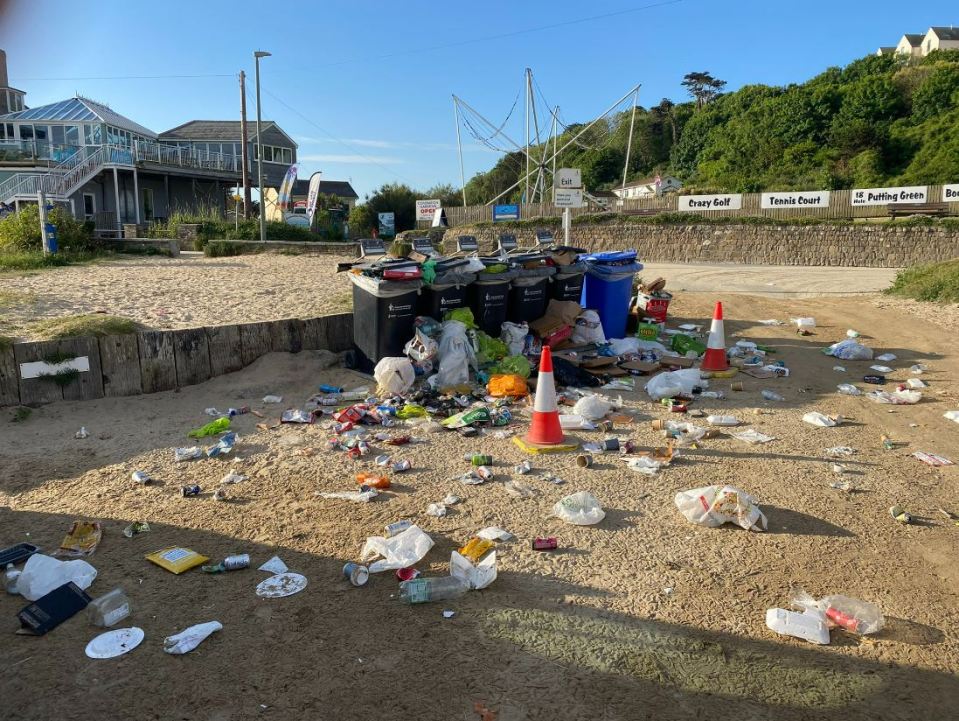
pixel 190 638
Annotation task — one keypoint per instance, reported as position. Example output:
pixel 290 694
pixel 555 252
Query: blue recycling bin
pixel 609 286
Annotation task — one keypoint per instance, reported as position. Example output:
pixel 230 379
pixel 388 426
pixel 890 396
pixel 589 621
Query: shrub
pixel 21 231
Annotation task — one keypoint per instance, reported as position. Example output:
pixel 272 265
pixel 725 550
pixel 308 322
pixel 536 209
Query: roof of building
pixel 914 39
pixel 339 188
pixel 201 130
pixel 80 109
pixel 949 33
pixel 646 181
pixel 886 50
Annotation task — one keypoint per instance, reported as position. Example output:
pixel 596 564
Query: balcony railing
pixel 33 151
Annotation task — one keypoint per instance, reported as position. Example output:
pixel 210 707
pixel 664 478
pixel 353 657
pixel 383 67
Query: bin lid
pixel 385 288
pixel 611 257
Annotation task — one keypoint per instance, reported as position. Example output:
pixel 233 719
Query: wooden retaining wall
pixel 162 360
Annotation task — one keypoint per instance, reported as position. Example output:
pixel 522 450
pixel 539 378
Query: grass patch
pixel 80 325
pixel 937 282
pixel 35 260
pixel 10 298
pixel 20 414
pixel 6 342
pixel 61 378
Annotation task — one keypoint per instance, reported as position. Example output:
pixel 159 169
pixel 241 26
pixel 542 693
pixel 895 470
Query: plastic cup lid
pixel 115 643
pixel 280 585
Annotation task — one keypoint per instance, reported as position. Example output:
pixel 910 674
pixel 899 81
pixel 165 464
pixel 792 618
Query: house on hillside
pixel 910 44
pixel 647 187
pixel 340 188
pixel 107 168
pixel 886 50
pixel 940 39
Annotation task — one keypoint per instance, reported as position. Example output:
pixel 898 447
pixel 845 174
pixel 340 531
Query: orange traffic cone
pixel 715 356
pixel 545 429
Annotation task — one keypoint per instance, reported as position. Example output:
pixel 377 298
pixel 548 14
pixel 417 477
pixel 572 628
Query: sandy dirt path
pixel 642 616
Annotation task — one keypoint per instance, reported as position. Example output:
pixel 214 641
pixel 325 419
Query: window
pixel 71 134
pixel 26 132
pixel 56 134
pixel 273 154
pixel 146 203
pixel 3 131
pixel 89 206
pixel 92 135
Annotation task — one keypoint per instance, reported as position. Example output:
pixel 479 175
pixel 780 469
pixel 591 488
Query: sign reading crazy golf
pixel 710 202
pixel 426 209
pixel 797 199
pixel 886 196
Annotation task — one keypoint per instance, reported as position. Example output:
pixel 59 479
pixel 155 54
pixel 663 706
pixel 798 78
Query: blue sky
pixel 364 87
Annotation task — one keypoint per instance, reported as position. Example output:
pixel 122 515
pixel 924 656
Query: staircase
pixel 62 181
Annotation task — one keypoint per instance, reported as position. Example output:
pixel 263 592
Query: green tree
pixel 937 94
pixel 703 87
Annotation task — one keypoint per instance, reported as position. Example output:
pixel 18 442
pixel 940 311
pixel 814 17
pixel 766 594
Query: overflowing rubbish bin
pixel 608 288
pixel 489 295
pixel 383 314
pixel 529 292
pixel 447 290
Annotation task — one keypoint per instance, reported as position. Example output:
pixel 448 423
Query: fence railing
pixel 840 208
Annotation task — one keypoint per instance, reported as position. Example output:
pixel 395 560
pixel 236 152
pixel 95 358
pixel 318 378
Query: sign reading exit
pixel 568 178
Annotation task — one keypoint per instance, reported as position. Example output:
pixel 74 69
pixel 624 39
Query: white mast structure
pixel 546 164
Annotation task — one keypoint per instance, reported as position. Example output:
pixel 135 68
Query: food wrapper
pixel 177 560
pixel 713 506
pixel 81 540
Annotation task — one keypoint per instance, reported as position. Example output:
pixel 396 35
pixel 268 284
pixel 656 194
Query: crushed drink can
pixel 545 544
pixel 399 440
pixel 330 389
pixel 403 465
pixel 876 380
pixel 234 563
pixel 610 444
pixel 383 460
pixel 480 459
pixel 387 410
pixel 484 472
pixel 627 447
pixel 523 468
pixel 135 528
pixel 363 447
pixel 396 528
pixel 387 422
pixel 242 410
pixel 356 574
pixel 141 477
pixel 192 490
pixel 343 427
pixel 353 453
pixel 219 494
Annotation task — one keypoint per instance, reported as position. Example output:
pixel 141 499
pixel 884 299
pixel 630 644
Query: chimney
pixel 4 81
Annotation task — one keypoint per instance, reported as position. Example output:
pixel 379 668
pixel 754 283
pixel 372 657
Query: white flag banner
pixel 312 195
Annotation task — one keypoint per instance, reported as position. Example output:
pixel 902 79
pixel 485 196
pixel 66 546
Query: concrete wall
pixel 879 246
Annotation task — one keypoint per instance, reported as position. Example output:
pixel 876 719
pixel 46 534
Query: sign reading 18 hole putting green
pixel 889 196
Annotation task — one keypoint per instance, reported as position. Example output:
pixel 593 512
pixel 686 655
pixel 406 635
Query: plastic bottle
pixel 424 590
pixel 109 608
pixel 848 389
pixel 772 396
pixel 10 577
pixel 722 420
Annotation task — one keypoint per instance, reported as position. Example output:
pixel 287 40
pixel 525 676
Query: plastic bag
pixel 580 509
pixel 712 506
pixel 593 407
pixel 898 398
pixel 588 329
pixel 394 376
pixel 479 575
pixel 513 365
pixel 489 348
pixel 646 464
pixel 849 349
pixel 574 422
pixel 460 315
pixel 815 418
pixel 190 638
pixel 400 551
pixel 851 614
pixel 513 386
pixel 456 355
pixel 567 374
pixel 514 335
pixel 675 383
pixel 421 347
pixel 802 323
pixel 42 574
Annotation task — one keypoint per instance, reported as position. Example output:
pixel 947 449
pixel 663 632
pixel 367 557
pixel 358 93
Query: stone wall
pixel 880 246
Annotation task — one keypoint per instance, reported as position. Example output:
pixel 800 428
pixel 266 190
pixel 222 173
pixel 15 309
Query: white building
pixel 910 44
pixel 919 45
pixel 647 187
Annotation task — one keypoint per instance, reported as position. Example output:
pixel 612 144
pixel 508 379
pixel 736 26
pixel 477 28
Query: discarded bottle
pixel 722 420
pixel 10 578
pixel 109 608
pixel 772 396
pixel 424 590
pixel 396 528
pixel 330 389
pixel 141 477
pixel 848 389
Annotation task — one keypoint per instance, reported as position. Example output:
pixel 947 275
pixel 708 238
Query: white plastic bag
pixel 752 437
pixel 456 356
pixel 42 574
pixel 477 576
pixel 802 323
pixel 394 376
pixel 580 509
pixel 623 346
pixel 897 398
pixel 190 638
pixel 400 551
pixel 588 329
pixel 849 350
pixel 645 465
pixel 593 407
pixel 421 347
pixel 712 506
pixel 815 418
pixel 514 336
pixel 575 422
pixel 675 383
pixel 951 415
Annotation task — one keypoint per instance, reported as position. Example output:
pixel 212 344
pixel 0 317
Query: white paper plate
pixel 280 585
pixel 115 643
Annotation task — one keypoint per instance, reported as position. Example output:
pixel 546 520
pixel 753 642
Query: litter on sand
pixel 190 638
pixel 712 506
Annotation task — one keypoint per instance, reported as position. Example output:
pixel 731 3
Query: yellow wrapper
pixel 176 560
pixel 81 540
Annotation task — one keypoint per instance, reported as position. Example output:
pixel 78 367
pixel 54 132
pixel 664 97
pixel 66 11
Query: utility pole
pixel 528 84
pixel 247 191
pixel 459 147
pixel 259 145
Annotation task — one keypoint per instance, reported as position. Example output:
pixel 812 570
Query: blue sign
pixel 505 212
pixel 387 224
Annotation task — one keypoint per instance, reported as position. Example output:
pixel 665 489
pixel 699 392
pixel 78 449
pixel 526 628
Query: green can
pixel 481 459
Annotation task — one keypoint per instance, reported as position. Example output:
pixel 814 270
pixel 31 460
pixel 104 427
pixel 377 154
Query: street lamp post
pixel 259 145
